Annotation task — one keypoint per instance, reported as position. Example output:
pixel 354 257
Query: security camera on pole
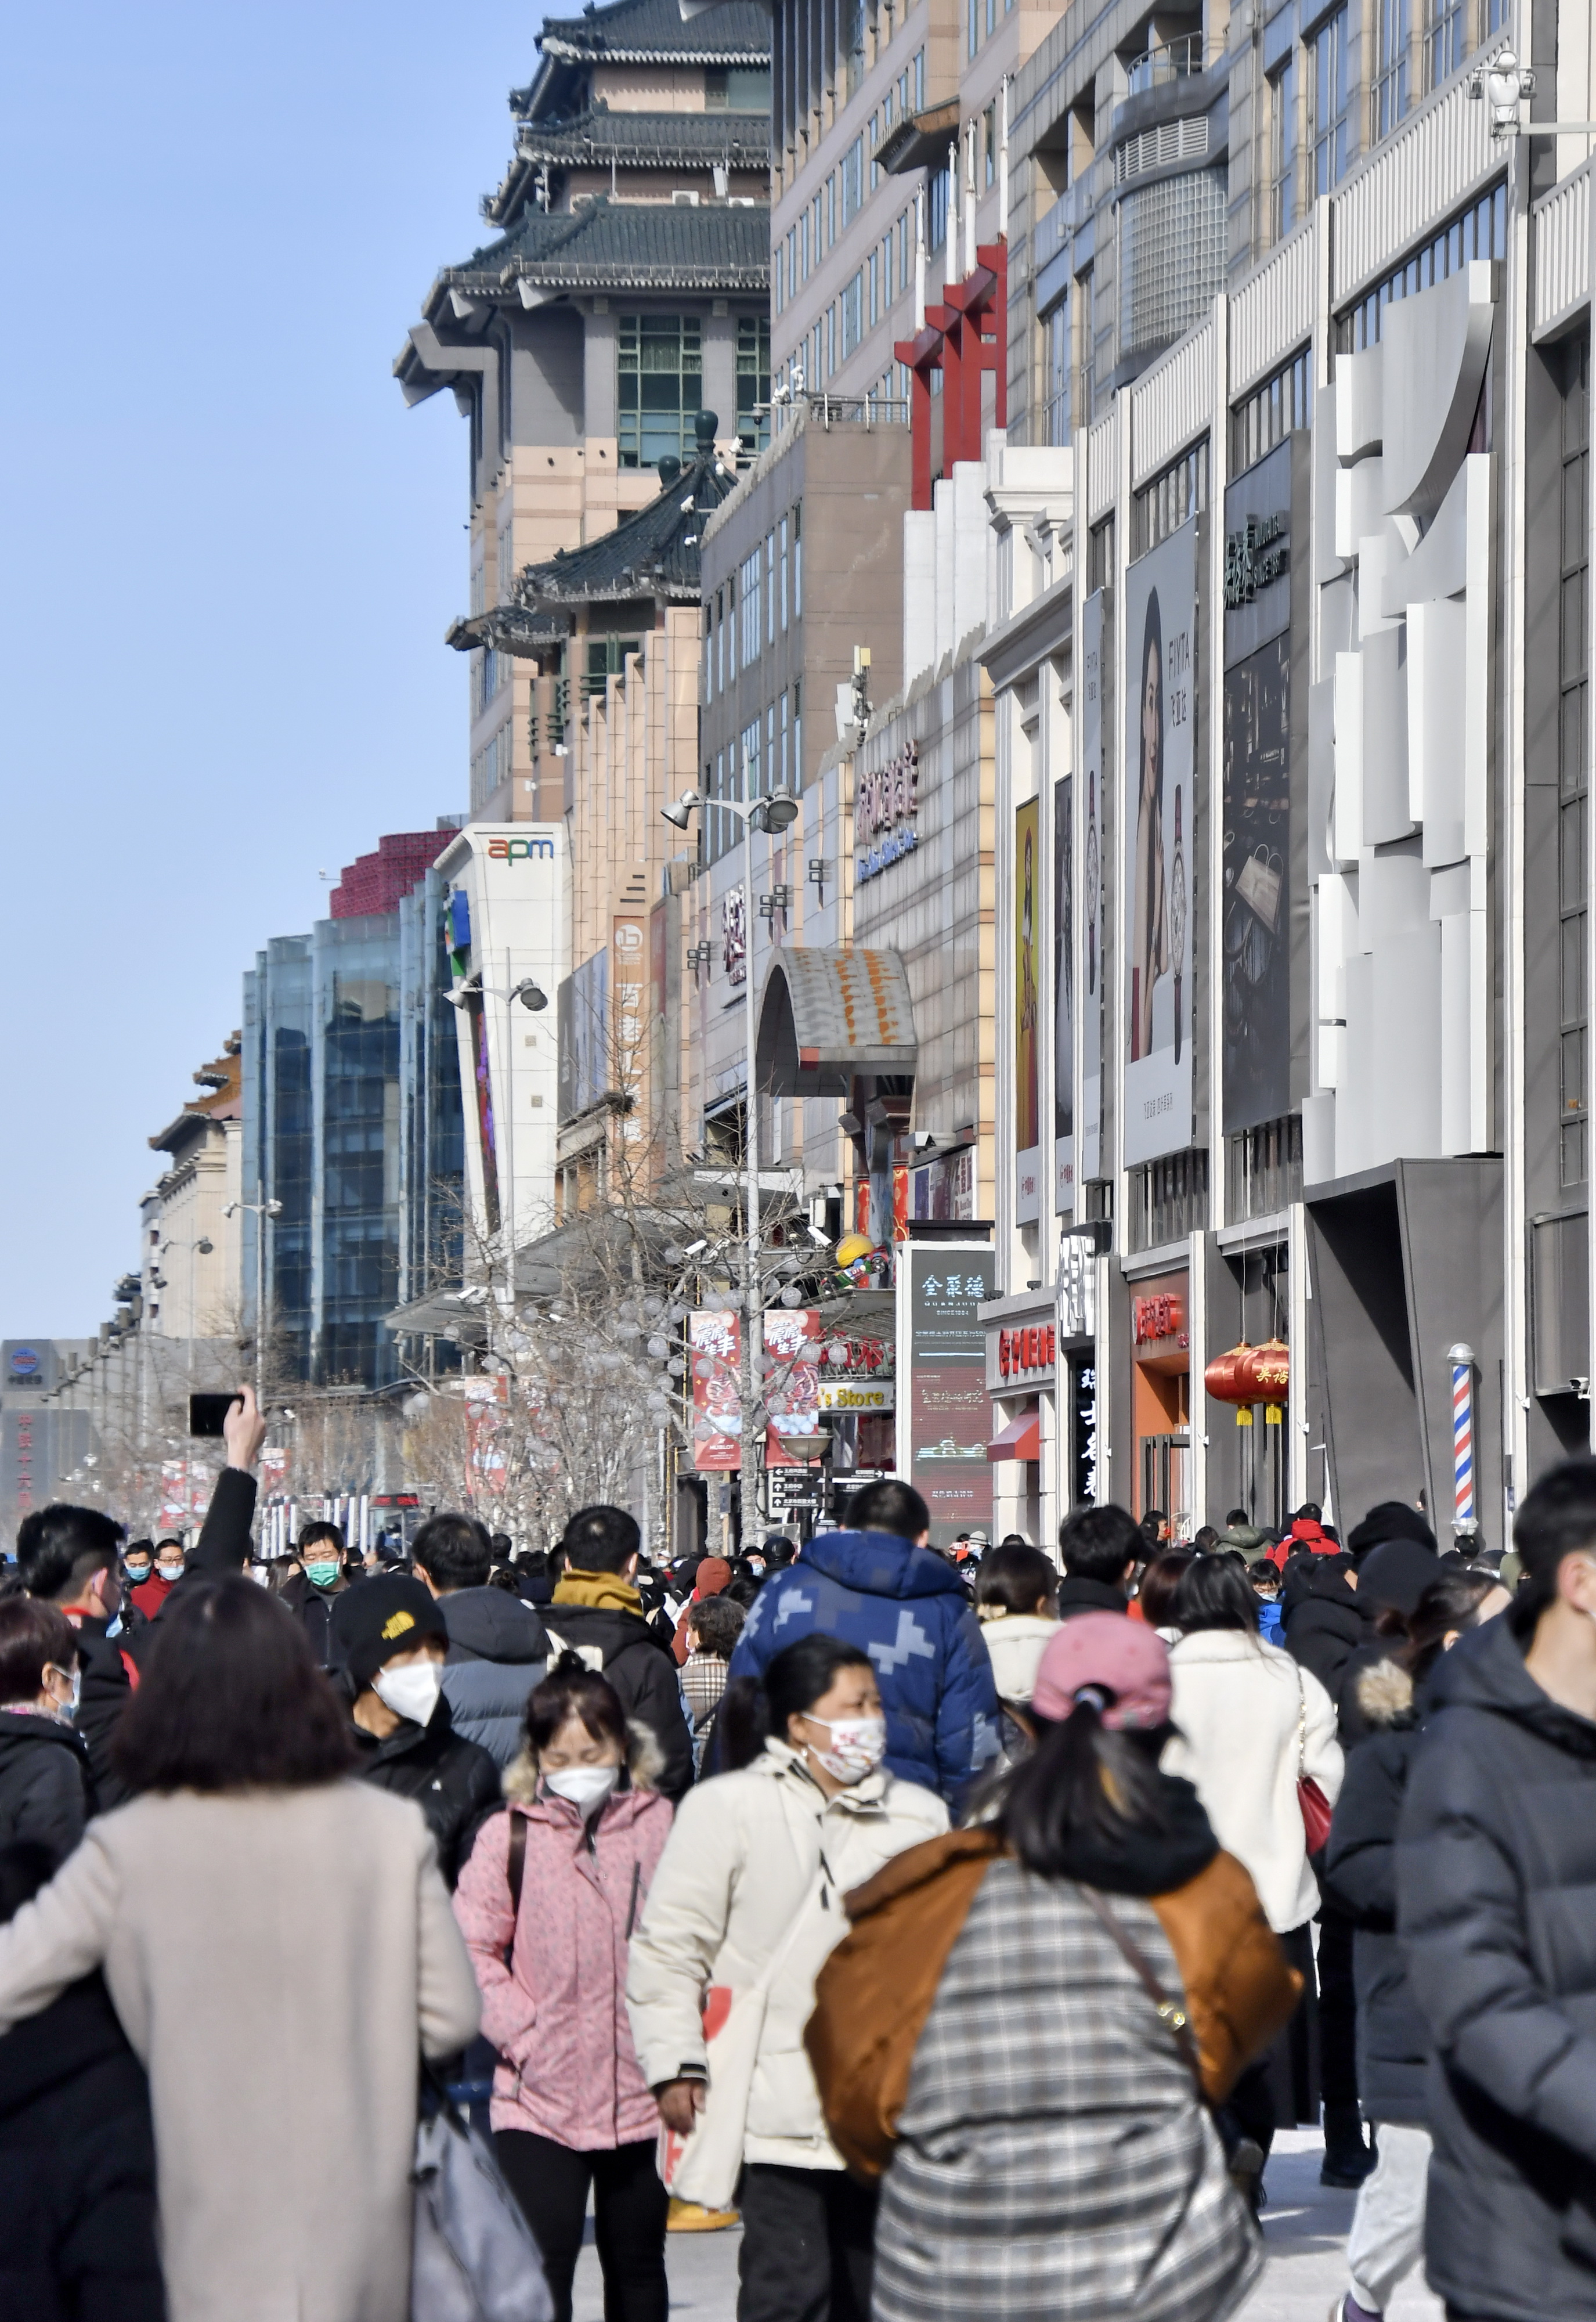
pixel 776 813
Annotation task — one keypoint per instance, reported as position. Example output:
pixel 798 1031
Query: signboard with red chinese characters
pixel 792 1381
pixel 716 1341
pixel 1021 1344
pixel 1158 1322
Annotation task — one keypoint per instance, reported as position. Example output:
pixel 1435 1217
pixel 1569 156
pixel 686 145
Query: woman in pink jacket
pixel 571 2108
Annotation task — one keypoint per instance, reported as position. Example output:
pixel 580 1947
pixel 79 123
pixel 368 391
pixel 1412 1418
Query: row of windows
pixel 840 199
pixel 1310 130
pixel 755 605
pixel 1272 411
pixel 767 756
pixel 660 386
pixel 981 20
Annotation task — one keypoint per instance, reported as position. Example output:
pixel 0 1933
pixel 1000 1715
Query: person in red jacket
pixel 150 1595
pixel 558 1882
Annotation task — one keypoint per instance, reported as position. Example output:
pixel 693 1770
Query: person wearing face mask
pixel 1495 1872
pixel 321 1582
pixel 390 1642
pixel 748 1899
pixel 70 1558
pixel 157 1584
pixel 547 1905
pixel 46 1795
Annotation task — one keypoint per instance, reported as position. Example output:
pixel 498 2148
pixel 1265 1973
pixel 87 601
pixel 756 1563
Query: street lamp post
pixel 202 1247
pixel 531 996
pixel 259 1211
pixel 770 815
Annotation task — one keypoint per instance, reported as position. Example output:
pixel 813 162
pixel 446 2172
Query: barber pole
pixel 1461 1359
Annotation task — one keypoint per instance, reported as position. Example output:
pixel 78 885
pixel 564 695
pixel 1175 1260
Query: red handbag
pixel 1316 1806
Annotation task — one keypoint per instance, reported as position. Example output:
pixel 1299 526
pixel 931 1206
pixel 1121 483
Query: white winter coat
pixel 1248 1720
pixel 748 1855
pixel 1016 1644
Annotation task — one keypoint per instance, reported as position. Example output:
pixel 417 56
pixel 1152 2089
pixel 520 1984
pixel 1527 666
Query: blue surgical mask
pixel 137 1573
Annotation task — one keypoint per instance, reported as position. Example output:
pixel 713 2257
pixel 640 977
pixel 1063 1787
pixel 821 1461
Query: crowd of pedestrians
pixel 965 1922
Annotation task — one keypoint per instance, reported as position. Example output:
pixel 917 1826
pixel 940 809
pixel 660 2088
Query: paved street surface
pixel 1305 2228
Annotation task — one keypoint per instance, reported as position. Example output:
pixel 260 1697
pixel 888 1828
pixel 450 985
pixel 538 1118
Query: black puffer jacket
pixel 77 2169
pixel 107 1689
pixel 645 1677
pixel 1079 1594
pixel 453 1781
pixel 46 1795
pixel 1360 1882
pixel 1324 1624
pixel 1496 1905
pixel 498 1650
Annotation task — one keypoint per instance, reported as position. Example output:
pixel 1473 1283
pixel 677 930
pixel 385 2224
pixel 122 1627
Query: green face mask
pixel 322 1576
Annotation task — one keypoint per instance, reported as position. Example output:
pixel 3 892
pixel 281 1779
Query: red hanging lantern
pixel 1267 1372
pixel 1223 1376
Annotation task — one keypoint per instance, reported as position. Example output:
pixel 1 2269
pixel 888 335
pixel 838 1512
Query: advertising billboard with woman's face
pixel 1160 640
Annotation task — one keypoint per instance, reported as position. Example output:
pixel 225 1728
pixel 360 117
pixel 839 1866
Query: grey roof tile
pixel 640 32
pixel 603 244
pixel 652 554
pixel 648 140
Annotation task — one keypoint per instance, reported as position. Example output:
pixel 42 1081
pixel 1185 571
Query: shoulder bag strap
pixel 516 1872
pixel 1171 2012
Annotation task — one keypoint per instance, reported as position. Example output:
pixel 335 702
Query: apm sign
pixel 520 850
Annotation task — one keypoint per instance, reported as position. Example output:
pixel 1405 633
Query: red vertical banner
pixel 716 1341
pixel 792 1384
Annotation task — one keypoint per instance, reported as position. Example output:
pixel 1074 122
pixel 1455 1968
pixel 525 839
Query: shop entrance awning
pixel 1020 1439
pixel 828 1014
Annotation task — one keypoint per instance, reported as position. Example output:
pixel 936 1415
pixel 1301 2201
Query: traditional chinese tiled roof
pixel 507 629
pixel 652 32
pixel 649 141
pixel 604 245
pixel 652 553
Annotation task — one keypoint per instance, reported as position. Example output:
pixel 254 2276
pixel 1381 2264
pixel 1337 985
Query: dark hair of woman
pixel 571 1689
pixel 1215 1593
pixel 1018 1577
pixel 1160 1579
pixel 1450 1603
pixel 1083 1781
pixel 231 1699
pixel 755 1712
pixel 33 1635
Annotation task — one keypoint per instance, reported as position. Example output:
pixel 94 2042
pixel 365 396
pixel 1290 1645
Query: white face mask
pixel 411 1691
pixel 858 1745
pixel 170 1571
pixel 586 1786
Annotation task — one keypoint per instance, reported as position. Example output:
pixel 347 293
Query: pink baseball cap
pixel 1125 1659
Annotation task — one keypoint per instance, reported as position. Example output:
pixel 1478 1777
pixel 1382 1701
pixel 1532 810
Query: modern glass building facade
pixel 352 1121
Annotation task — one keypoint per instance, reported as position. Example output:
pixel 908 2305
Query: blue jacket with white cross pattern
pixel 908 1611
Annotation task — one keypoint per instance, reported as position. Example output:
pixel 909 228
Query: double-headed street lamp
pixel 202 1247
pixel 259 1211
pixel 532 997
pixel 779 812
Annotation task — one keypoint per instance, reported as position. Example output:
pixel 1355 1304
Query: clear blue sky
pixel 228 553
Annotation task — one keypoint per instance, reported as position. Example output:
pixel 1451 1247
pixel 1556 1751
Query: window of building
pixel 919 71
pixel 972 9
pixel 753 384
pixel 990 142
pixel 769 587
pixel 797 738
pixel 1282 149
pixel 851 177
pixel 1573 789
pixel 872 274
pixel 851 303
pixel 1479 231
pixel 1100 555
pixel 749 577
pixel 831 211
pixel 1446 40
pixel 1085 346
pixel 660 386
pixel 607 658
pixel 853 43
pixel 1161 506
pixel 936 208
pixel 781 569
pixel 1278 405
pixel 831 341
pixel 1329 119
pixel 797 564
pixel 1168 1200
pixel 1388 93
pixel 748 751
pixel 1055 359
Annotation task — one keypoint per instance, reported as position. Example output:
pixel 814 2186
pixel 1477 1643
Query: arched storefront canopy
pixel 826 1016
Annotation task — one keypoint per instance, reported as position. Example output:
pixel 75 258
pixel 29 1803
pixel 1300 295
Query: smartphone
pixel 206 1412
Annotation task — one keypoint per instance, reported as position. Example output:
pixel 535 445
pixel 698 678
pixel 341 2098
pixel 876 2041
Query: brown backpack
pixel 875 1991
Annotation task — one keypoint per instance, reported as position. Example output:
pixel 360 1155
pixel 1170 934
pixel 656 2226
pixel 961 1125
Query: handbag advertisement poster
pixel 1160 722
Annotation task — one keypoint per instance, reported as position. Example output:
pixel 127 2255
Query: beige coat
pixel 277 1960
pixel 747 1859
pixel 1015 1645
pixel 1248 1720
